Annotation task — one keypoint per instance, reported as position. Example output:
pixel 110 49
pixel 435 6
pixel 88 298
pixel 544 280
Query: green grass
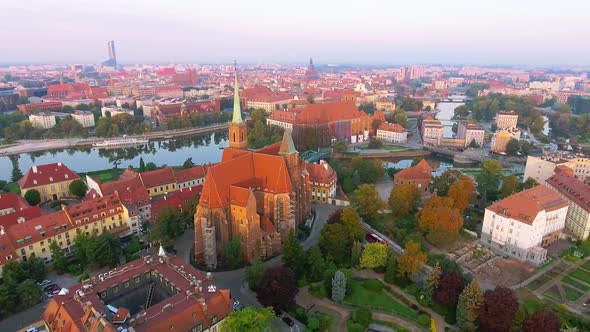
pixel 360 296
pixel 106 175
pixel 575 283
pixel 552 295
pixel 582 275
pixel 586 266
pixel 572 294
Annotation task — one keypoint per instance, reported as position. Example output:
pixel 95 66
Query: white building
pixel 470 132
pixel 42 120
pixel 522 225
pixel 115 111
pixel 432 131
pixel 85 118
pixel 505 120
pixel 541 168
pixel 577 195
pixel 392 132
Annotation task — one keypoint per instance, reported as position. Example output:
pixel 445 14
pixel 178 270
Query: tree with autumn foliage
pixel 442 183
pixel 367 201
pixel 469 302
pixel 432 282
pixel 461 192
pixel 497 311
pixel 439 220
pixel 450 286
pixel 410 261
pixel 404 199
pixel 374 255
pixel 277 288
pixel 541 321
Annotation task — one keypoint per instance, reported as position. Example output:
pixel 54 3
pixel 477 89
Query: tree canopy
pixel 367 201
pixel 374 255
pixel 411 260
pixel 33 197
pixel 78 188
pixel 498 309
pixel 248 319
pixel 404 199
pixel 278 288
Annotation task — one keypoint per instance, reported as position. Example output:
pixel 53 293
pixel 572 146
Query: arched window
pixel 234 139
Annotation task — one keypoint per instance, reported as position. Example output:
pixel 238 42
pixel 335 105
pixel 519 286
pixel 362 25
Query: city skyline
pixel 372 32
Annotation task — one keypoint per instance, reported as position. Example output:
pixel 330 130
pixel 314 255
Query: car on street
pixel 288 321
pixel 278 313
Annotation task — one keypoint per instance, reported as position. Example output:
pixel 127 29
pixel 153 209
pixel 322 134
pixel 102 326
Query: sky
pixel 535 32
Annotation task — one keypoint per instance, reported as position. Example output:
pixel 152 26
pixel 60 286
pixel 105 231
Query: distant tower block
pixel 112 61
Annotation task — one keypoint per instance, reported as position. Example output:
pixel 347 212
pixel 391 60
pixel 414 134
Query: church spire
pixel 237 117
pixel 287 145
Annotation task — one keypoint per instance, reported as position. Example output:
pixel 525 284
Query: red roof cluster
pixel 12 201
pixel 421 171
pixel 321 173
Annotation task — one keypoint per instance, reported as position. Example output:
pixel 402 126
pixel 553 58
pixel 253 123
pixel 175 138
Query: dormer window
pixel 34 181
pixel 50 179
pixel 66 176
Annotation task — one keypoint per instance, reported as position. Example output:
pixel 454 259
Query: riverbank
pixel 25 146
pixel 384 154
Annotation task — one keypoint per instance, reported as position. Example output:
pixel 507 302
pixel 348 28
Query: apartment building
pixel 42 120
pixel 52 181
pixel 577 195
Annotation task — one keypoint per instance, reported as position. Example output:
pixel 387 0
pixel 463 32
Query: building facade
pixel 42 120
pixel 470 132
pixel 521 226
pixel 85 118
pixel 323 181
pixel 392 133
pixel 419 175
pixel 52 181
pixel 577 195
pixel 505 120
pixel 542 168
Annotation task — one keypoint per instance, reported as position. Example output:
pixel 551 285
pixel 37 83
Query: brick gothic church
pixel 259 195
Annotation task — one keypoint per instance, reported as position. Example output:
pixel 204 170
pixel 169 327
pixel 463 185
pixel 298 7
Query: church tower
pixel 238 132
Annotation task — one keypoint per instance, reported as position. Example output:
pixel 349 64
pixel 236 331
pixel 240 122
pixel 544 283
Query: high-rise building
pixel 112 60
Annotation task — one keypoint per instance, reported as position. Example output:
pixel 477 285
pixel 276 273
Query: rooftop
pixel 572 188
pixel 46 174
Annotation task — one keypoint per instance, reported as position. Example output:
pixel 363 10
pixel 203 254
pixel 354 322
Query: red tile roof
pixel 37 229
pixel 525 205
pixel 46 174
pixel 131 191
pixel 158 177
pixel 421 171
pixel 329 112
pixel 14 201
pixel 10 219
pixel 190 174
pixel 572 188
pixel 321 173
pixel 169 200
pixel 394 127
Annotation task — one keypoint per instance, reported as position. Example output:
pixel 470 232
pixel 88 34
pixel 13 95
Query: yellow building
pixel 159 182
pixel 105 214
pixel 52 181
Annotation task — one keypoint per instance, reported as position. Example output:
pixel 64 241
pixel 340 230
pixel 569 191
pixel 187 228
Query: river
pixel 446 111
pixel 172 152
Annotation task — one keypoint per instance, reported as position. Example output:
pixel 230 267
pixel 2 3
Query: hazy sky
pixel 330 31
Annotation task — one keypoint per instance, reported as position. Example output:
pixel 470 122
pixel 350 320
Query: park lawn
pixel 358 295
pixel 575 283
pixel 572 294
pixel 581 274
pixel 587 266
pixel 106 175
pixel 552 295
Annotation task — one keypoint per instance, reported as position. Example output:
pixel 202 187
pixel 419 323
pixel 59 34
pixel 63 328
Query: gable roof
pixel 192 173
pixel 46 174
pixel 572 188
pixel 421 171
pixel 158 177
pixel 12 200
pixel 525 205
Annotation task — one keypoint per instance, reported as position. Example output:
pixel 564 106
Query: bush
pixel 423 320
pixel 451 317
pixel 318 290
pixel 373 284
pixel 354 327
pixel 363 316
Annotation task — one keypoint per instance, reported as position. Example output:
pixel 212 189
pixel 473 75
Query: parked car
pixel 288 321
pixel 278 313
pixel 238 305
pixel 44 283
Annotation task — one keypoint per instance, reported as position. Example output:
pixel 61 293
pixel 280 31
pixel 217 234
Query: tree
pixel 488 179
pixel 107 250
pixel 248 319
pixel 8 298
pixel 461 191
pixel 473 144
pixel 439 220
pixel 528 184
pixel 315 263
pixel 404 199
pixel 400 117
pixel 450 286
pixel 442 183
pixel 352 221
pixel 512 147
pixel 233 252
pixel 340 146
pixel 461 112
pixel 374 255
pixel 432 282
pixel 254 273
pixel 78 188
pixel 411 259
pixel 469 302
pixel 169 225
pixel 59 260
pixel 29 293
pixel 391 270
pixel 188 163
pixel 16 172
pixel 150 166
pixel 367 201
pixel 541 321
pixel 356 252
pixel 497 311
pixel 33 197
pixel 338 286
pixel 294 255
pixel 335 242
pixel 278 288
pixel 141 165
pixel 509 186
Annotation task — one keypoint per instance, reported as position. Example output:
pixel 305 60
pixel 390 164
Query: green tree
pixel 29 293
pixel 488 180
pixel 169 225
pixel 530 183
pixel 315 264
pixel 356 252
pixel 411 259
pixel 391 270
pixel 335 242
pixel 150 166
pixel 233 252
pixel 16 172
pixel 351 220
pixel 509 186
pixel 8 298
pixel 338 286
pixel 132 248
pixel 400 117
pixel 107 250
pixel 461 112
pixel 188 163
pixel 294 255
pixel 78 188
pixel 248 319
pixel 254 273
pixel 374 255
pixel 469 302
pixel 59 260
pixel 141 165
pixel 340 146
pixel 441 183
pixel 513 147
pixel 367 201
pixel 33 197
pixel 404 199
